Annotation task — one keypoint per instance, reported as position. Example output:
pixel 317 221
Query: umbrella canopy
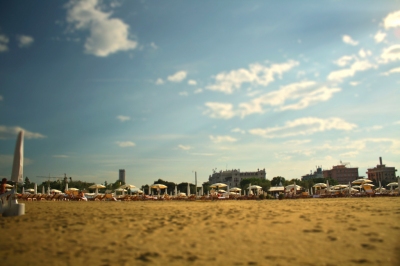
pixel 289 187
pixel 158 186
pixel 127 186
pixel 235 189
pixel 218 185
pixel 120 190
pixel 9 186
pixel 393 184
pixel 221 191
pixel 320 185
pixel 182 194
pixel 55 191
pixel 361 181
pixel 73 189
pixel 96 186
pixel 137 191
pixel 30 190
pixel 255 187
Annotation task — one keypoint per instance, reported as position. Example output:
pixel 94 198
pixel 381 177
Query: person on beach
pixel 3 187
pixel 81 196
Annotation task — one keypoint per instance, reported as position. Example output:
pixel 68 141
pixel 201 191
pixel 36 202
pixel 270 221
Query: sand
pixel 270 232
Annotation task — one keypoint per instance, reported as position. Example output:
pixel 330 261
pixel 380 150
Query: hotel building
pixel 233 177
pixel 381 172
pixel 342 174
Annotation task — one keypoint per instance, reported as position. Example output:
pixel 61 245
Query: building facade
pixel 317 174
pixel 121 175
pixel 233 177
pixel 342 174
pixel 381 172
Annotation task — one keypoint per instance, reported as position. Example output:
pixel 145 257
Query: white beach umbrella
pixel 35 188
pixel 380 187
pixel 30 190
pixel 188 190
pixel 55 191
pixel 66 187
pixel 97 186
pixel 235 189
pixel 149 190
pixel 176 190
pixel 361 181
pixel 43 190
pixel 48 190
pixel 327 184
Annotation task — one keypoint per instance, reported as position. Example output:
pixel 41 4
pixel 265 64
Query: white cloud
pixel 107 35
pixel 199 90
pixel 392 53
pixel 183 147
pixel 219 110
pixel 60 156
pixel 354 83
pixel 303 126
pixel 349 154
pixel 123 118
pixel 3 43
pixel 178 76
pixel 219 139
pixel 392 20
pixel 347 39
pixel 380 36
pixel 296 142
pixel 192 82
pixel 376 127
pixel 12 132
pixel 294 96
pixel 125 144
pixel 183 93
pixel 238 130
pixel 24 41
pixel 153 45
pixel 359 65
pixel 257 74
pixel 394 70
pixel 159 81
pixel 344 60
pixel 364 53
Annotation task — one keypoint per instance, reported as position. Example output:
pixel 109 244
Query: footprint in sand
pixel 368 246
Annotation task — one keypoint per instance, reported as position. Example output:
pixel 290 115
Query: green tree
pixel 277 180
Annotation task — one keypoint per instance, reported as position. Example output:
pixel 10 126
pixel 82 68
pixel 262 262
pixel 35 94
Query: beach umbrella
pixel 9 186
pixel 235 189
pixel 42 189
pixel 176 190
pixel 249 188
pixel 393 184
pixel 149 190
pixel 218 185
pixel 188 189
pixel 30 190
pixel 55 191
pixel 96 186
pixel 66 187
pixel 48 190
pixel 361 181
pixel 23 190
pixel 221 191
pixel 35 188
pixel 73 189
pixel 295 187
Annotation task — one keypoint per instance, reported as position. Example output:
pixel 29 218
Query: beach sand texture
pixel 342 231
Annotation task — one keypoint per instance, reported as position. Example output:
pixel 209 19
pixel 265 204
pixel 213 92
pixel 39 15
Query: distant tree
pixel 265 184
pixel 27 181
pixel 276 180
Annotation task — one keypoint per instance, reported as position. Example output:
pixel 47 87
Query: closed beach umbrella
pixel 35 188
pixel 66 187
pixel 42 189
pixel 176 190
pixel 188 190
pixel 23 190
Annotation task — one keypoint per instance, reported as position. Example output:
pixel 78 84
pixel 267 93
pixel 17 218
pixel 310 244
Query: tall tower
pixel 122 175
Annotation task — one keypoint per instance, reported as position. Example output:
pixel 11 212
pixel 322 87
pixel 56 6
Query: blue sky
pixel 165 88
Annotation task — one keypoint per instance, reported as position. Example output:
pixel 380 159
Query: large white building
pixel 233 177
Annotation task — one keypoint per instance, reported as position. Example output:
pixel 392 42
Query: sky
pixel 164 89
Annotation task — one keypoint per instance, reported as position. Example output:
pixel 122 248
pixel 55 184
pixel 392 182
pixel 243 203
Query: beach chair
pixel 368 190
pixel 109 197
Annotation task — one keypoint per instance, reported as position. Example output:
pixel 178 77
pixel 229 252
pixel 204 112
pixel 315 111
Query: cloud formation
pixel 219 139
pixel 294 96
pixel 392 53
pixel 123 118
pixel 3 43
pixel 358 65
pixel 380 36
pixel 178 76
pixel 183 147
pixel 303 126
pixel 347 39
pixel 256 74
pixel 12 132
pixel 159 81
pixel 392 20
pixel 392 71
pixel 125 144
pixel 24 41
pixel 106 35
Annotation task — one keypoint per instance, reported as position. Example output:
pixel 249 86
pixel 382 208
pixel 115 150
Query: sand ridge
pixel 341 231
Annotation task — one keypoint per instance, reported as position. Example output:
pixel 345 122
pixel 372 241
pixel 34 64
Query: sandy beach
pixel 339 231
